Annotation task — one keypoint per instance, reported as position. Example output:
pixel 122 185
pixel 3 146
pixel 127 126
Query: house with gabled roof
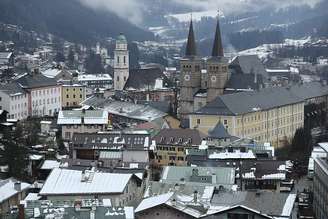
pixel 68 184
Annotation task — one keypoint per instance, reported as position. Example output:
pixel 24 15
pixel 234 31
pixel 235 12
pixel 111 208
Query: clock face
pixel 213 78
pixel 187 77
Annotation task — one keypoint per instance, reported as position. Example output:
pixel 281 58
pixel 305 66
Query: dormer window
pixel 162 139
pixel 171 139
pixel 180 140
pixel 189 140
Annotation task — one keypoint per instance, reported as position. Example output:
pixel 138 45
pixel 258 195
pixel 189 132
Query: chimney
pixel 195 196
pixel 213 178
pixel 82 116
pixel 93 212
pixel 21 213
pixel 17 186
pixel 174 202
pixel 36 71
pixel 195 172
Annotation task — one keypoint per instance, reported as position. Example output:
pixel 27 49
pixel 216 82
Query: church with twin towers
pixel 199 85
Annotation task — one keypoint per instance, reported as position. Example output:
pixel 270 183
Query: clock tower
pixel 190 75
pixel 121 63
pixel 217 68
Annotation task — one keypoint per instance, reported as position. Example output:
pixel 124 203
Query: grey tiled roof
pixel 34 81
pixel 172 137
pixel 247 64
pixel 110 140
pixel 144 78
pixel 11 88
pixel 219 132
pixel 309 90
pixel 244 81
pixel 247 102
pixel 270 203
pixel 225 176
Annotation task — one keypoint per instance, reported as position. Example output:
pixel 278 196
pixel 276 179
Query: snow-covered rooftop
pixel 8 190
pixel 50 164
pixel 74 117
pixel 51 72
pixel 94 77
pixel 232 155
pixel 154 201
pixel 71 182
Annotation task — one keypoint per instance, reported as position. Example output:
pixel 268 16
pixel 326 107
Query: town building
pixel 95 81
pixel 231 205
pixel 94 145
pixel 121 63
pixel 67 184
pixel 85 208
pixel 14 100
pixel 270 115
pixel 81 121
pixel 73 95
pixel 12 192
pixel 317 152
pixel 126 113
pixel 220 177
pixel 320 189
pixel 171 145
pixel 58 73
pixel 236 151
pixel 44 94
pixel 197 89
pixel 31 95
pixel 7 59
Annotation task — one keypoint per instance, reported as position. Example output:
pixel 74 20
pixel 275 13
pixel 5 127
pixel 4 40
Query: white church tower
pixel 121 63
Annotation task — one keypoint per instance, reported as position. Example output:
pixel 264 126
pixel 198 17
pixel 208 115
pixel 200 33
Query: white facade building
pixel 14 100
pixel 121 63
pixel 31 95
pixel 46 101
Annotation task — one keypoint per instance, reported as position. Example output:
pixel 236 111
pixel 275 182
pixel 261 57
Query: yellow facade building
pixel 269 115
pixel 73 95
pixel 172 144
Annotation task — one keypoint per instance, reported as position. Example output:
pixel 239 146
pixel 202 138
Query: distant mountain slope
pixel 68 19
pixel 316 26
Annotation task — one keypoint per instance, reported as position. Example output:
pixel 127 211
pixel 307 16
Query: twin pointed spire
pixel 217 50
pixel 191 44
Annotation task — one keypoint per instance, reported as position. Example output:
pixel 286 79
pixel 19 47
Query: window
pixel 67 135
pixel 180 149
pixel 117 78
pixel 171 157
pixel 67 96
pixel 225 122
pixel 238 216
pixel 198 121
pixel 118 59
pixel 124 60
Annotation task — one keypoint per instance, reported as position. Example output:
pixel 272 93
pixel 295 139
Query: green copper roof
pixel 121 38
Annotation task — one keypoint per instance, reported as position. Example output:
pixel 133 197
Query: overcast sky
pixel 133 10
